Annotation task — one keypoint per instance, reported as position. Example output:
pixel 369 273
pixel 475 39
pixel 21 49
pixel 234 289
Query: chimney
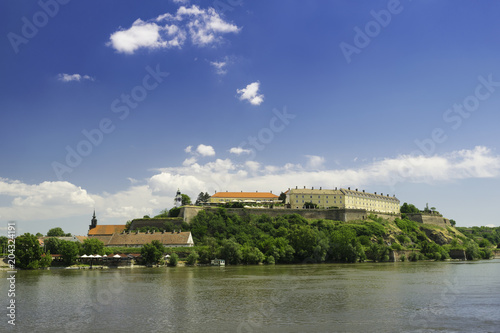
pixel 363 191
pixel 313 187
pixel 304 187
pixel 271 191
pixel 349 188
pixel 356 190
pixel 215 191
pixel 320 187
pixel 382 194
pixel 375 193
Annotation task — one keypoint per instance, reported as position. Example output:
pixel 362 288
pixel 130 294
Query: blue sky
pixel 114 105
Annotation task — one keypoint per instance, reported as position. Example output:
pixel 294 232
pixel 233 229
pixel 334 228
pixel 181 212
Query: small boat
pixel 218 262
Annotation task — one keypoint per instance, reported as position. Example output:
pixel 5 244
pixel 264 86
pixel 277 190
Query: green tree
pixel 173 260
pixel 472 250
pixel 282 197
pixel 4 241
pixel 409 209
pixel 174 212
pixel 152 252
pixel 231 251
pixel 69 252
pixel 202 198
pixel 186 200
pixel 28 251
pixel 56 232
pixel 452 222
pixel 46 260
pixel 192 258
pixel 53 245
pixel 93 246
pixel 251 255
pixel 39 234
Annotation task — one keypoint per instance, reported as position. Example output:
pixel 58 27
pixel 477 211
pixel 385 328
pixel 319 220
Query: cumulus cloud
pixel 188 149
pixel 73 77
pixel 202 27
pixel 204 150
pixel 181 2
pixel 251 94
pixel 42 200
pixel 239 151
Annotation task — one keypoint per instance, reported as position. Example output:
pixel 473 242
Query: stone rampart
pixel 344 215
pixel 430 219
pixel 158 223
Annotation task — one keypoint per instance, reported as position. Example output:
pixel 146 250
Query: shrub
pixel 413 256
pixel 192 258
pixel 270 260
pixel 174 259
pixel 396 246
pixel 403 257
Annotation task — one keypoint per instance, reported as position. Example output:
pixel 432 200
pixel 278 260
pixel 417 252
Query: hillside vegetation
pixel 292 239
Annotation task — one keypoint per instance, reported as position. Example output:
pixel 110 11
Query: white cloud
pixel 146 35
pixel 73 77
pixel 239 151
pixel 189 161
pixel 315 162
pixel 219 67
pixel 251 93
pixel 181 2
pixel 52 200
pixel 204 150
pixel 42 200
pixel 490 226
pixel 188 149
pixel 204 27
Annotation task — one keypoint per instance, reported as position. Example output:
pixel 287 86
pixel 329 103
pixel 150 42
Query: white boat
pixel 218 262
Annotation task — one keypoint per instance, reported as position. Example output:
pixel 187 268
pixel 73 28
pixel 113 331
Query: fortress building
pixel 248 197
pixel 343 199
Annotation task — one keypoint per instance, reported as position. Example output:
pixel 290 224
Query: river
pixel 368 297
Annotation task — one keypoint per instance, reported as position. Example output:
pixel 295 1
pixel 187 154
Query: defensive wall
pixel 430 219
pixel 158 223
pixel 344 215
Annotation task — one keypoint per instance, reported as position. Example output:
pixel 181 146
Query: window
pixel 302 201
pixel 326 201
pixel 296 201
pixel 296 196
pixel 311 196
pixel 319 197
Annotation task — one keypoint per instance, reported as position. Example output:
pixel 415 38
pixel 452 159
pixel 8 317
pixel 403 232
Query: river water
pixel 381 297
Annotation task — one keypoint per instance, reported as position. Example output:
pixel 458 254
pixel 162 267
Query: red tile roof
pixel 108 229
pixel 134 239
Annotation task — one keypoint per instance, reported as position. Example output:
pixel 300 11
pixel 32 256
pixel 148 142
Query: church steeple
pixel 93 222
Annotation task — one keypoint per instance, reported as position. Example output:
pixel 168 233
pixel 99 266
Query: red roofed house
pixel 254 197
